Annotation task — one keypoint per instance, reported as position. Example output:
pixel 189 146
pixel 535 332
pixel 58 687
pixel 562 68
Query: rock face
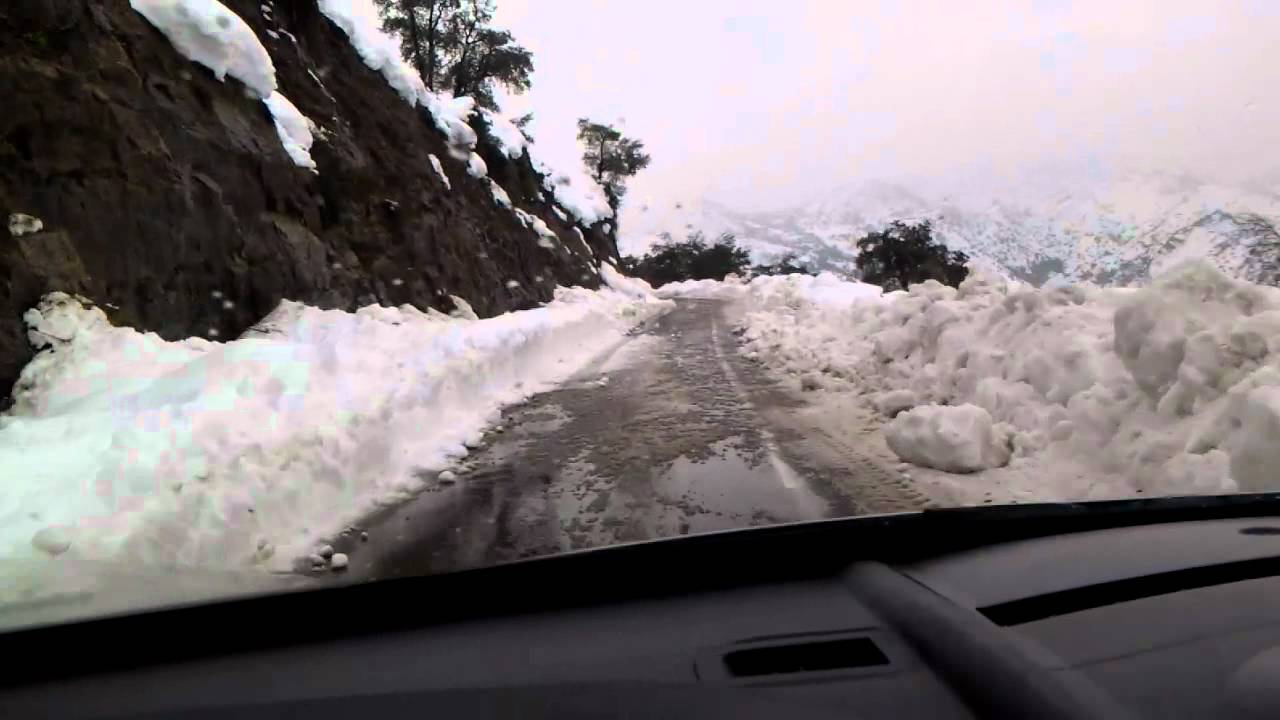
pixel 166 196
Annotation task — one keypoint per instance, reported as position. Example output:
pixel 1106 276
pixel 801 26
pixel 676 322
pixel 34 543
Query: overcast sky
pixel 762 104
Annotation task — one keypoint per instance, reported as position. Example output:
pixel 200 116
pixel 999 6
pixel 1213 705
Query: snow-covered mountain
pixel 1118 230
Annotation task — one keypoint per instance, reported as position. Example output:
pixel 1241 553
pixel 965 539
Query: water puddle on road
pixel 735 486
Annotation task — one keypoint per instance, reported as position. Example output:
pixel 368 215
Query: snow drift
pixel 123 446
pixel 1170 388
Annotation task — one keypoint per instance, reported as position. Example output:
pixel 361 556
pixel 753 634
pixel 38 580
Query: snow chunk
pixel 21 224
pixel 51 540
pixel 435 164
pixel 506 135
pixel 476 167
pixel 196 453
pixel 205 31
pixel 1254 446
pixel 339 561
pixel 895 401
pixel 629 286
pixel 294 129
pixel 955 439
pixel 500 196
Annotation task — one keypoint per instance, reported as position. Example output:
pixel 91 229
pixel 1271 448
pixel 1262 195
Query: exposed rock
pixel 158 185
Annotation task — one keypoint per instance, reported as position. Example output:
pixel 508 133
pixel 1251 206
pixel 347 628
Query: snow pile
pixel 824 289
pixel 505 134
pixel 1169 388
pixel 136 449
pixel 205 31
pixel 731 288
pixel 956 439
pixel 294 129
pixel 631 287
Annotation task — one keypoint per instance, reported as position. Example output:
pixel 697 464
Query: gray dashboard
pixel 926 638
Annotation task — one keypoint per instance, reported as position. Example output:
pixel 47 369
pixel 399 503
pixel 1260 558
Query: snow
pixel 500 196
pixel 959 439
pixel 206 32
pixel 631 287
pixel 251 452
pixel 476 167
pixel 1169 388
pixel 508 137
pixel 381 53
pixel 22 224
pixel 294 129
pixel 435 165
pixel 339 561
pixel 577 193
pixel 705 289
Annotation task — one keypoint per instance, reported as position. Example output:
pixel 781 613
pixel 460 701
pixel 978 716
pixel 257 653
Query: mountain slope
pixel 1113 232
pixel 166 196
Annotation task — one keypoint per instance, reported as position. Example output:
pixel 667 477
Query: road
pixel 671 432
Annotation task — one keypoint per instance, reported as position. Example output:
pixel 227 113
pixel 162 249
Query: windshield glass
pixel 305 292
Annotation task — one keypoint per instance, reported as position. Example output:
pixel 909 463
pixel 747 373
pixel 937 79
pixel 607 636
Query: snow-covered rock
pixel 439 170
pixel 505 134
pixel 207 32
pixel 22 224
pixel 294 129
pixel 959 439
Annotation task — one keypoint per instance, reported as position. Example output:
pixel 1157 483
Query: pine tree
pixel 422 26
pixel 452 46
pixel 610 158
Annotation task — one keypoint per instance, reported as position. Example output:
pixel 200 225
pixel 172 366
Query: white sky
pixel 762 104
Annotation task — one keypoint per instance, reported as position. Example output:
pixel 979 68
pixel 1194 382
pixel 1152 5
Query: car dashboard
pixel 1078 612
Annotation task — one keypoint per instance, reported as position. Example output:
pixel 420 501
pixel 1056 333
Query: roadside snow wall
pixel 248 452
pixel 1172 388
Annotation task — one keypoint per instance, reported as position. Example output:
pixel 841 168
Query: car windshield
pixel 300 293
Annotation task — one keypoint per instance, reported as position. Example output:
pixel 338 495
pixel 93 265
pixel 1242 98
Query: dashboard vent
pixel 805 657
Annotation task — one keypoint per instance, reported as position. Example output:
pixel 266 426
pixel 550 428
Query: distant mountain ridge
pixel 1118 231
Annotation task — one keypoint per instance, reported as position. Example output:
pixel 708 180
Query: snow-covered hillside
pixel 1118 230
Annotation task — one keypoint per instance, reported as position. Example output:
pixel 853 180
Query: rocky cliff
pixel 166 197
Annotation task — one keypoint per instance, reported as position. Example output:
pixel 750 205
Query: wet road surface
pixel 669 433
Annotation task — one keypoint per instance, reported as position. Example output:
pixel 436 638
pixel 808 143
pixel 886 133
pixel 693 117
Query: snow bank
pixel 955 439
pixel 730 288
pixel 136 449
pixel 505 134
pixel 824 289
pixel 293 128
pixel 1169 388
